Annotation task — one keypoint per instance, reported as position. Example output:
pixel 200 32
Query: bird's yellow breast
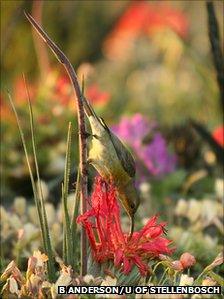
pixel 104 157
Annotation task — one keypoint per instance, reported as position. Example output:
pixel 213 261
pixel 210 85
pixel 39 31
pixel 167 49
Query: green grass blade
pixel 47 240
pixel 29 166
pixel 64 243
pixel 36 196
pixel 67 238
pixel 73 222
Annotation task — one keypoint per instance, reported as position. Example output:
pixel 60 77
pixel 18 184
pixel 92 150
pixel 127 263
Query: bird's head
pixel 130 200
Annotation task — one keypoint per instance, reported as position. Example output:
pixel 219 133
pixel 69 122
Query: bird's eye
pixel 132 206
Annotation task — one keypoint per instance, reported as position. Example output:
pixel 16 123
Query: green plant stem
pixel 73 221
pixel 162 277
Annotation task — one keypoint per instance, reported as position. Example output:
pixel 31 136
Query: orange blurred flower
pixel 62 92
pixel 6 113
pixel 96 96
pixel 143 18
pixel 20 93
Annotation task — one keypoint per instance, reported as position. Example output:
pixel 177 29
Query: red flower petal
pixel 107 240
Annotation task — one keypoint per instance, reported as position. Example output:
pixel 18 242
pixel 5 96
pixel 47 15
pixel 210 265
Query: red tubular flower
pixel 107 240
pixel 63 89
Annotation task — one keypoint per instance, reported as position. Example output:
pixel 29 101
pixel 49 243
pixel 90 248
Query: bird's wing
pixel 123 154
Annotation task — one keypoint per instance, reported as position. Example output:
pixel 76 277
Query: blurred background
pixel 149 73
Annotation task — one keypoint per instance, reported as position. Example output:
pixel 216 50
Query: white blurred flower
pixel 33 216
pixel 88 279
pixel 60 213
pixel 15 222
pixel 109 281
pixel 194 210
pixel 5 230
pixel 208 211
pixel 20 205
pixel 29 230
pixel 176 233
pixel 219 188
pixel 33 246
pixel 181 207
pixel 197 227
pixel 186 280
pixel 56 232
pixel 4 215
pixel 219 208
pixel 145 188
pixel 61 148
pixel 44 189
pixel 57 164
pixel 209 241
pixel 51 213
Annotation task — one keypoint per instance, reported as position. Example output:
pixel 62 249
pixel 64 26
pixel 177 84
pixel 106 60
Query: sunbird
pixel 107 154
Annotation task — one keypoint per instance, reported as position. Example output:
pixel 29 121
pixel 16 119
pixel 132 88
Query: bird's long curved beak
pixel 60 56
pixel 55 49
pixel 132 224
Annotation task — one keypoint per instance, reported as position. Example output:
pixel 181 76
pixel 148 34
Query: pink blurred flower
pixel 154 153
pixel 107 240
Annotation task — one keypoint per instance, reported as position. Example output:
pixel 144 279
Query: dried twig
pixel 217 54
pixel 82 136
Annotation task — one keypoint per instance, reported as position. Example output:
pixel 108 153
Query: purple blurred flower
pixel 153 154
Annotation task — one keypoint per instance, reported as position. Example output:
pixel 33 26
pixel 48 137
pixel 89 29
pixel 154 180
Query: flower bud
pixel 187 260
pixel 177 266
